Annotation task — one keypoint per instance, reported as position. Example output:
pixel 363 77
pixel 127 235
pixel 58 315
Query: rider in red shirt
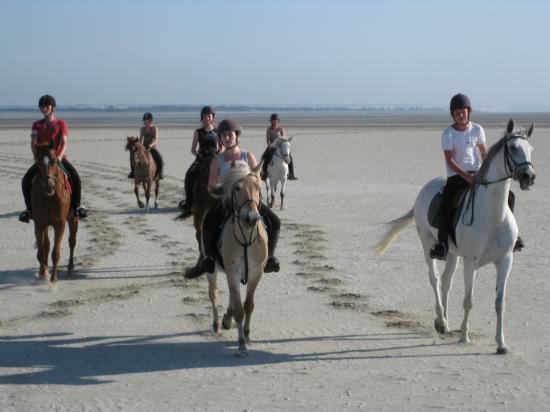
pixel 44 131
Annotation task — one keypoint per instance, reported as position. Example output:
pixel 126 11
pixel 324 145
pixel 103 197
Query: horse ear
pixel 257 169
pixel 510 126
pixel 530 130
pixel 129 138
pixel 290 138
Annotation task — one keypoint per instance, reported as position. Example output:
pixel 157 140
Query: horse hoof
pixel 216 327
pixel 141 205
pixel 440 328
pixel 502 351
pixel 226 323
pixel 241 353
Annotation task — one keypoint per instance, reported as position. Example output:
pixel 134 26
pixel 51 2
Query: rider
pixel 229 131
pixel 206 139
pixel 44 131
pixel 464 148
pixel 274 131
pixel 148 136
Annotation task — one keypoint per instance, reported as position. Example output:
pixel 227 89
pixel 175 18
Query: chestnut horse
pixel 243 249
pixel 51 206
pixel 145 171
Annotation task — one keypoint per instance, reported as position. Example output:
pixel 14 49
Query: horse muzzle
pixel 250 218
pixel 526 178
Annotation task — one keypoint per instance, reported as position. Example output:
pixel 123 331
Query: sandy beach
pixel 338 328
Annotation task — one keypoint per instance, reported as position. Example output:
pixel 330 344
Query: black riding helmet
pixel 147 116
pixel 46 100
pixel 207 110
pixel 460 101
pixel 274 116
pixel 229 125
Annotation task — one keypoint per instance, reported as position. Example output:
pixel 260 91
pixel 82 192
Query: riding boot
pixel 210 244
pixel 440 249
pixel 26 185
pixel 291 175
pixel 272 264
pixel 519 245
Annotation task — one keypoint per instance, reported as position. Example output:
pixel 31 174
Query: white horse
pixel 486 230
pixel 277 169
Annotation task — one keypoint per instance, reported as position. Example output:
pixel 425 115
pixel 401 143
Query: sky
pixel 295 52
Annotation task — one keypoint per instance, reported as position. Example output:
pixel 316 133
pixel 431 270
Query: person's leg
pixel 131 175
pixel 159 162
pixel 191 176
pixel 26 185
pixel 519 245
pixel 291 175
pixel 213 219
pixel 76 187
pixel 266 156
pixel 273 227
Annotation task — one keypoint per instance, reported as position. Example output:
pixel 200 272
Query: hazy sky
pixel 276 52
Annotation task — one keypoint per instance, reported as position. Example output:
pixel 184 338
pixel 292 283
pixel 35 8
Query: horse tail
pixel 395 227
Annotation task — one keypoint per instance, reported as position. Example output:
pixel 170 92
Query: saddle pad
pixel 454 213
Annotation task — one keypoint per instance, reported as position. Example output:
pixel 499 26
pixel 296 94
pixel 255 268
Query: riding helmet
pixel 147 116
pixel 46 100
pixel 460 101
pixel 274 116
pixel 229 125
pixel 207 110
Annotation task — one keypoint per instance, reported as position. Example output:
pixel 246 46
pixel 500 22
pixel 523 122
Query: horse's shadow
pixel 64 360
pixel 9 215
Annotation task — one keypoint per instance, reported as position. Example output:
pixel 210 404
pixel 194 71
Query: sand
pixel 337 329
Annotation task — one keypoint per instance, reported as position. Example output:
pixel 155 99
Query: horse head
pixel 242 189
pixel 131 143
pixel 517 154
pixel 283 148
pixel 48 167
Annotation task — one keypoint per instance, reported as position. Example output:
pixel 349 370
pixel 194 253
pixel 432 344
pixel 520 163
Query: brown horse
pixel 243 249
pixel 145 171
pixel 51 206
pixel 202 200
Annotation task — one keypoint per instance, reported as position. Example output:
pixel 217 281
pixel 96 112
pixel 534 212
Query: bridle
pixel 510 168
pixel 48 176
pixel 253 235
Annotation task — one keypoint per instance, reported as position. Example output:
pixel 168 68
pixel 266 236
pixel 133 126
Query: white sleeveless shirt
pixel 225 166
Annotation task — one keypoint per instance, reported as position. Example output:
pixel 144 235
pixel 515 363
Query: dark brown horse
pixel 201 202
pixel 145 171
pixel 51 206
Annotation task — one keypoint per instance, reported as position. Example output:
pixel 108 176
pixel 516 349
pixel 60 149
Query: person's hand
pixel 470 178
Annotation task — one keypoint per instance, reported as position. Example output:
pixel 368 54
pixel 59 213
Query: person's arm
pixel 34 141
pixel 482 150
pixel 195 143
pixel 155 138
pixel 456 168
pixel 252 163
pixel 141 135
pixel 281 131
pixel 62 147
pixel 267 137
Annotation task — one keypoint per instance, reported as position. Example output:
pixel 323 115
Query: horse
pixel 277 169
pixel 486 230
pixel 243 249
pixel 51 206
pixel 145 171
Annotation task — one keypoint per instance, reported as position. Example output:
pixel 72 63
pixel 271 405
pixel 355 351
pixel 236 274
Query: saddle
pixel 66 178
pixel 455 208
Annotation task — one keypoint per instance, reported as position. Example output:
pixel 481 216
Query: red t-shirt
pixel 50 131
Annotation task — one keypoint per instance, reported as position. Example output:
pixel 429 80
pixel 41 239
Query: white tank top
pixel 225 166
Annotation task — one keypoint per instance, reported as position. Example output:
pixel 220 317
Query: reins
pixel 510 168
pixel 248 240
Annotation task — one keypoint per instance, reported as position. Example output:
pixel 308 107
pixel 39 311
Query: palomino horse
pixel 486 229
pixel 145 171
pixel 243 249
pixel 51 206
pixel 277 169
pixel 202 200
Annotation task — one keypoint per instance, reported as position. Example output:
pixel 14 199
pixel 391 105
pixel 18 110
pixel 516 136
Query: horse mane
pixel 492 152
pixel 239 170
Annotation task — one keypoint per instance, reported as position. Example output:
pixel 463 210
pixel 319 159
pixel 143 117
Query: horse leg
pixel 469 278
pixel 59 230
pixel 440 322
pixel 503 266
pixel 283 184
pixel 147 190
pixel 136 191
pixel 236 308
pixel 249 307
pixel 73 229
pixel 273 190
pixel 213 294
pixel 446 285
pixel 43 249
pixel 157 183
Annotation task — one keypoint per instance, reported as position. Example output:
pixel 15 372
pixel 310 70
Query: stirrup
pixel 272 265
pixel 439 251
pixel 81 212
pixel 25 216
pixel 208 264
